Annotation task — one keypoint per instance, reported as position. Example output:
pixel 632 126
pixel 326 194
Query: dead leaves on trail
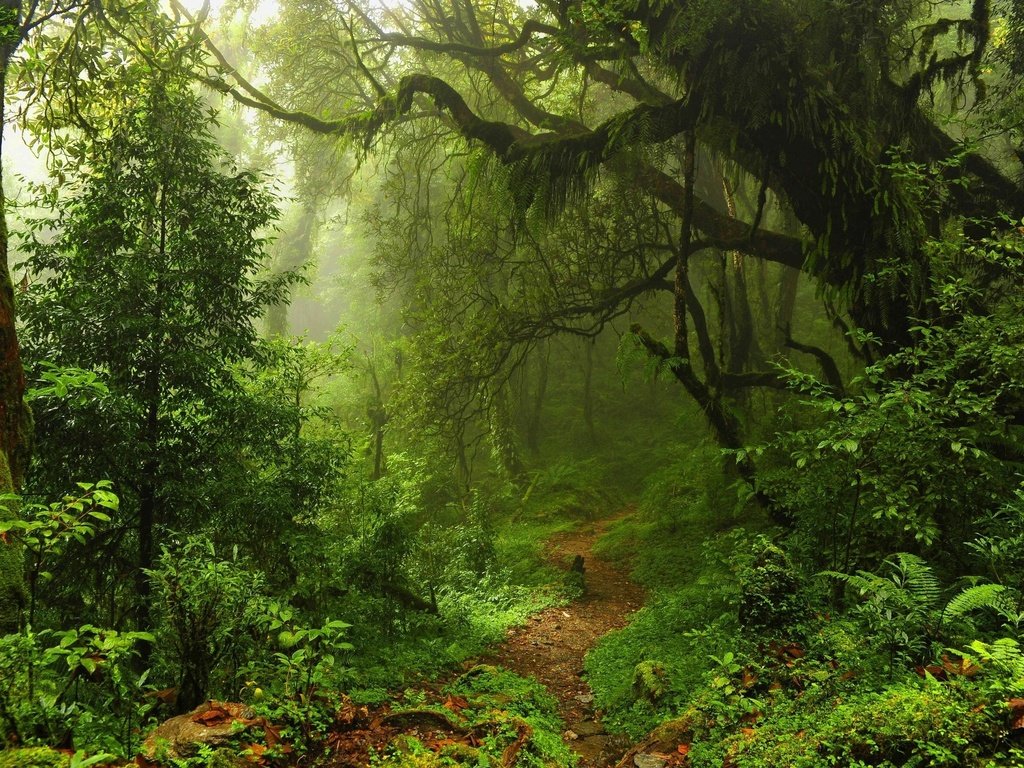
pixel 443 724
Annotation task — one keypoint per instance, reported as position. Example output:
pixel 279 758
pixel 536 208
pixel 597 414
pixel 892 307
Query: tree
pixel 152 279
pixel 68 39
pixel 814 109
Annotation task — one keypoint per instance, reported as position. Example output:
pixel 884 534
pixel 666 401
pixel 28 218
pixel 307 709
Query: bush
pixel 208 617
pixel 770 591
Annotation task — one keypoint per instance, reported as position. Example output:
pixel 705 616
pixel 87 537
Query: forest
pixel 512 383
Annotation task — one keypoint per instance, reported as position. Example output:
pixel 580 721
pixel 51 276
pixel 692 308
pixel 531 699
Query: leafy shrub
pixel 909 724
pixel 76 686
pixel 770 591
pixel 208 618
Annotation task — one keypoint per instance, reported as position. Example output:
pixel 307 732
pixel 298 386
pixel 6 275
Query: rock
pixel 589 728
pixel 649 761
pixel 570 736
pixel 212 724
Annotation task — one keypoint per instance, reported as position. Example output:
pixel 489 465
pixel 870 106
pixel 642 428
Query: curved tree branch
pixel 530 28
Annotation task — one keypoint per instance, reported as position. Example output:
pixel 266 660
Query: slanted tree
pixel 817 108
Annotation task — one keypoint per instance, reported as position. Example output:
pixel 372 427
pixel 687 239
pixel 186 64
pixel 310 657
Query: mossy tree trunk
pixel 15 419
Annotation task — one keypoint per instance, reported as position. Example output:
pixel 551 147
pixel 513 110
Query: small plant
pixel 81 687
pixel 898 607
pixel 303 670
pixel 770 590
pixel 307 655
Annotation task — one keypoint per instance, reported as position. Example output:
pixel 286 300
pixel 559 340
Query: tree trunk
pixel 15 417
pixel 148 505
pixel 588 388
pixel 377 413
pixel 295 251
pixel 502 435
pixel 787 304
pixel 534 419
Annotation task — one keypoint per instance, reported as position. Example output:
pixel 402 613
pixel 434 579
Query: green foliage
pixel 306 658
pixel 913 456
pixel 497 692
pixel 906 725
pixel 298 683
pixel 976 598
pixel 207 618
pixel 567 488
pixel 32 757
pixel 83 687
pixel 46 530
pixel 898 607
pixel 144 305
pixel 998 549
pixel 770 591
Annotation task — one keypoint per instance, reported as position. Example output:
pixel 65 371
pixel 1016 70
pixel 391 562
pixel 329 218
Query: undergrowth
pixel 677 546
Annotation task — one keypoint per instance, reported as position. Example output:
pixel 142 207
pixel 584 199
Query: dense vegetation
pixel 321 319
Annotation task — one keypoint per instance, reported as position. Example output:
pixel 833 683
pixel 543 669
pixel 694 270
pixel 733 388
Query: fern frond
pixel 864 582
pixel 918 577
pixel 976 598
pixel 1004 653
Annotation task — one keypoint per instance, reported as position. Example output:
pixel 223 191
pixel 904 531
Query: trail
pixel 551 646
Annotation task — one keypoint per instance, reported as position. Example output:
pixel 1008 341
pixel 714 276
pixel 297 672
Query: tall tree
pixel 152 278
pixel 68 39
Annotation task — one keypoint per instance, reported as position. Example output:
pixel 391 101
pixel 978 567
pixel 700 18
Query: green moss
pixel 32 757
pixel 12 579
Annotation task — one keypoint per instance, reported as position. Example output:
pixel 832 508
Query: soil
pixel 552 645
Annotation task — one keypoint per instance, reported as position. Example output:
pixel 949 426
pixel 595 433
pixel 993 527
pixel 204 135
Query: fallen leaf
pixel 212 716
pixel 961 666
pixel 455 703
pixel 793 650
pixel 683 749
pixel 939 673
pixel 271 734
pixel 255 752
pixel 167 695
pixel 1016 713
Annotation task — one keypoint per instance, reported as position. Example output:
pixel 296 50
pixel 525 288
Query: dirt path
pixel 552 645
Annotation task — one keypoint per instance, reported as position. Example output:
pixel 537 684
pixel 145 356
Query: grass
pixel 678 547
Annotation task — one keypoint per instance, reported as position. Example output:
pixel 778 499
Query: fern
pixel 864 582
pixel 976 598
pixel 1004 654
pixel 911 578
pixel 916 576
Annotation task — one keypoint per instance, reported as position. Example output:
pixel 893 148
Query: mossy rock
pixel 33 757
pixel 667 736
